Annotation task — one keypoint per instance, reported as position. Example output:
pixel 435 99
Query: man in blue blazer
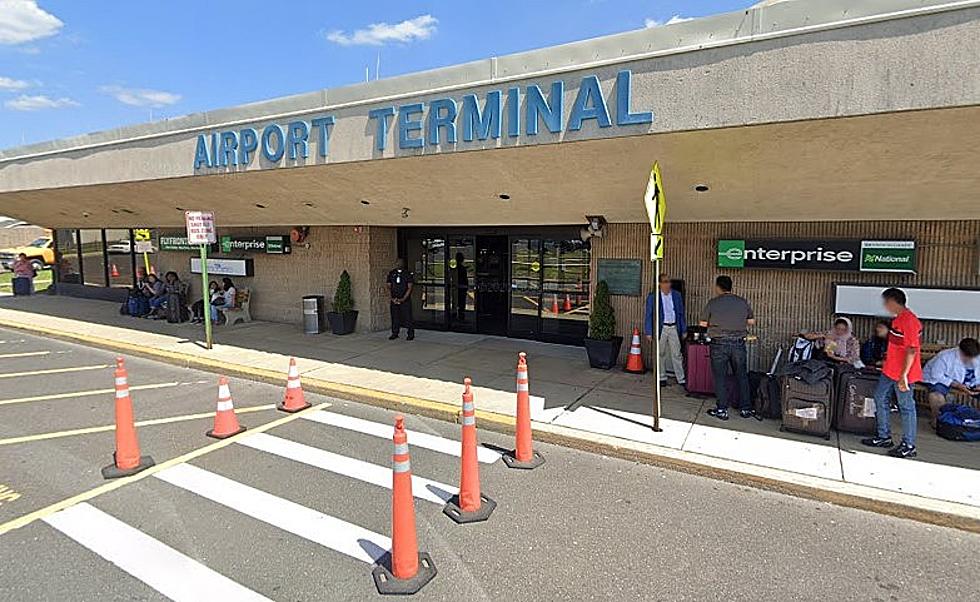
pixel 673 328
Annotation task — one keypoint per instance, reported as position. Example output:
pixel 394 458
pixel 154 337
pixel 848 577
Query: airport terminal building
pixel 815 151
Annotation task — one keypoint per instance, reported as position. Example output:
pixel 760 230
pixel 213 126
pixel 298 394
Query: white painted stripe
pixel 224 406
pixel 24 354
pixel 385 431
pixel 54 371
pixel 73 395
pixel 328 531
pixel 163 568
pixel 422 488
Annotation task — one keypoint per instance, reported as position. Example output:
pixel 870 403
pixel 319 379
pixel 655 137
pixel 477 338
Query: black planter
pixel 603 354
pixel 342 323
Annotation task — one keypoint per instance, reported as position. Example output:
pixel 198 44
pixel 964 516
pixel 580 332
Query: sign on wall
pixel 623 276
pixel 826 255
pixel 175 241
pixel 224 267
pixel 272 245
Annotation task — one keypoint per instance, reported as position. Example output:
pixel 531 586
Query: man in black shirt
pixel 400 285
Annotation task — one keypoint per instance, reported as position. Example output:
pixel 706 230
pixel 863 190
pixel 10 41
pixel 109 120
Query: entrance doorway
pixel 529 283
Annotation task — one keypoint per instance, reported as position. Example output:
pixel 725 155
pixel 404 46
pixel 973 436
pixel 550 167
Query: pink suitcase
pixel 698 360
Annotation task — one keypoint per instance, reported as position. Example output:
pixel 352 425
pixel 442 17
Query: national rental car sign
pixel 827 255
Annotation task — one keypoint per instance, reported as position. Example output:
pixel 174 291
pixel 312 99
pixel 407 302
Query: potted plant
pixel 343 318
pixel 602 344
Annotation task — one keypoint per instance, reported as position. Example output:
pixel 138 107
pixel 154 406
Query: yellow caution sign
pixel 655 202
pixel 141 234
pixel 656 247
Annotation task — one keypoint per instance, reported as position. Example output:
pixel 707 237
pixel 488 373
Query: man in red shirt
pixel 902 369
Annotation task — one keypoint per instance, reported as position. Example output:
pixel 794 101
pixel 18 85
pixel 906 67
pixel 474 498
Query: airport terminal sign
pixel 826 255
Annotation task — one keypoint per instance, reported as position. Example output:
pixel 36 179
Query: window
pixel 69 269
pixel 93 257
pixel 565 303
pixel 119 248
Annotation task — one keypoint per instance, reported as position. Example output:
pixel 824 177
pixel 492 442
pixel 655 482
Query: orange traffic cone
pixel 294 401
pixel 634 363
pixel 225 421
pixel 470 506
pixel 567 306
pixel 114 272
pixel 554 304
pixel 153 270
pixel 408 569
pixel 126 460
pixel 523 456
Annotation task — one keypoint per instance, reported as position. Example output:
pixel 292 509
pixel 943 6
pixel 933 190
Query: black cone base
pixel 213 436
pixel 453 511
pixel 282 407
pixel 113 472
pixel 510 459
pixel 388 584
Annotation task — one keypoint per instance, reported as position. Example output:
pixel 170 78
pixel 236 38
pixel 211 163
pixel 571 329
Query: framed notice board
pixel 624 276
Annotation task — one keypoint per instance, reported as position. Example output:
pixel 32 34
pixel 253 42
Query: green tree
pixel 343 299
pixel 602 320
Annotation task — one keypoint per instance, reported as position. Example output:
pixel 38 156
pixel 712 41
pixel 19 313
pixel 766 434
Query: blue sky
pixel 70 66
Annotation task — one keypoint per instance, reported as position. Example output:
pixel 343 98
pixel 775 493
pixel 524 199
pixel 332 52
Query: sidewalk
pixel 603 410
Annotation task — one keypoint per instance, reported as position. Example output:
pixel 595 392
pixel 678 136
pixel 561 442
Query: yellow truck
pixel 39 251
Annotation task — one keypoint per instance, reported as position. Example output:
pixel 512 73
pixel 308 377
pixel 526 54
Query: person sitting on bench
pixel 227 299
pixel 952 372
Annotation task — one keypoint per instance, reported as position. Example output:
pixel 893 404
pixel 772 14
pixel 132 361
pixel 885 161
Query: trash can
pixel 313 316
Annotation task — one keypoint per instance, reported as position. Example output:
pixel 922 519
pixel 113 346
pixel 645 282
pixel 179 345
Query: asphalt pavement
pixel 301 511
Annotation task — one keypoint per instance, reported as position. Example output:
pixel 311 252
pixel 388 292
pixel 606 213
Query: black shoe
pixel 903 451
pixel 746 413
pixel 410 337
pixel 664 383
pixel 718 413
pixel 876 442
pixel 393 337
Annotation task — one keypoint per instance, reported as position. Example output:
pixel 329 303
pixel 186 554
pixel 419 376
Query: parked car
pixel 122 247
pixel 40 252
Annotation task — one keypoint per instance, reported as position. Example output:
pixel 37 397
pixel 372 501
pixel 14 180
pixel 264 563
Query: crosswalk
pixel 179 576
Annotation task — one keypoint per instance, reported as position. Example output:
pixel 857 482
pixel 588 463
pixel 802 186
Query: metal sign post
pixel 200 231
pixel 656 205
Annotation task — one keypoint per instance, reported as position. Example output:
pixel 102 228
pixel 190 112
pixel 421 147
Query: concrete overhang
pixel 799 110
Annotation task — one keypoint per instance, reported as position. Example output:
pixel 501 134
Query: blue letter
pixel 201 158
pixel 248 141
pixel 447 121
pixel 488 122
pixel 514 112
pixel 624 92
pixel 382 116
pixel 323 140
pixel 229 144
pixel 299 133
pixel 589 104
pixel 406 125
pixel 215 155
pixel 267 152
pixel 537 105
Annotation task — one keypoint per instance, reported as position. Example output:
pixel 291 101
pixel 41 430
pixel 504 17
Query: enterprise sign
pixel 440 121
pixel 828 255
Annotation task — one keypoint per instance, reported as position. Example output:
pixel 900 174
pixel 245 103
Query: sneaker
pixel 393 337
pixel 718 413
pixel 746 413
pixel 664 383
pixel 893 408
pixel 903 451
pixel 878 442
pixel 410 337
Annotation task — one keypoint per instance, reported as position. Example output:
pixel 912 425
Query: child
pixel 873 350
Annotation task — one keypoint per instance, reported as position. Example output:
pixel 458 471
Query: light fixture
pixel 504 197
pixel 260 205
pixel 365 202
pixel 701 188
pixel 309 204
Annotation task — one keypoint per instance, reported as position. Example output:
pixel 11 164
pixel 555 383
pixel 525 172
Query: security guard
pixel 400 285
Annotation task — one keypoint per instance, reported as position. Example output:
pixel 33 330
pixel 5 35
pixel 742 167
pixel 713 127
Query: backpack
pixel 801 351
pixel 958 422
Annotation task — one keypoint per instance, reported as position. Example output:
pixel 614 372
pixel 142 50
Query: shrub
pixel 343 299
pixel 602 320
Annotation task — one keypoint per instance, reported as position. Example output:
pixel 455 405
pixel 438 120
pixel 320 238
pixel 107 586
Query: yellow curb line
pixel 505 424
pixel 116 484
pixel 112 427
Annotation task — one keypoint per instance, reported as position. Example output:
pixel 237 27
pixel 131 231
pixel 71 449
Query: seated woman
pixel 227 299
pixel 838 343
pixel 197 310
pixel 873 350
pixel 155 292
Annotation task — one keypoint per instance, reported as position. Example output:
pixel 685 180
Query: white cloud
pixel 675 19
pixel 8 83
pixel 377 34
pixel 24 21
pixel 38 102
pixel 141 97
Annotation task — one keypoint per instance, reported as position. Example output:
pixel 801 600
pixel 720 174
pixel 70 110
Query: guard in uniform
pixel 400 285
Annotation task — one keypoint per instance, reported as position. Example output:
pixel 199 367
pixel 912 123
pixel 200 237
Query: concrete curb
pixel 900 505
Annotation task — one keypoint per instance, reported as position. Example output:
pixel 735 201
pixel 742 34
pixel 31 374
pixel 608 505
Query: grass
pixel 41 282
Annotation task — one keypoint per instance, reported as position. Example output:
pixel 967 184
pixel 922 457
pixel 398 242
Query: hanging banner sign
pixel 272 245
pixel 224 267
pixel 826 255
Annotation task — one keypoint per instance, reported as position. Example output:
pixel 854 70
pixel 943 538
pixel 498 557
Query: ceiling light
pixel 504 197
pixel 701 188
pixel 365 202
pixel 260 205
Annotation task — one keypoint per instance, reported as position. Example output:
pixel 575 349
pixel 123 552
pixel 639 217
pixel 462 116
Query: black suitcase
pixel 807 408
pixel 767 395
pixel 176 309
pixel 855 411
pixel 22 286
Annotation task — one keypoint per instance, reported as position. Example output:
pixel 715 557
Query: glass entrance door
pixel 461 281
pixel 491 284
pixel 525 287
pixel 426 257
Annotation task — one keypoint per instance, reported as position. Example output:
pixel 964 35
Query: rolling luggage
pixel 807 399
pixel 855 411
pixel 699 379
pixel 176 309
pixel 767 390
pixel 22 286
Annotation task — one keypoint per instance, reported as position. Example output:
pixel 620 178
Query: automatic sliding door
pixel 525 287
pixel 461 282
pixel 427 258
